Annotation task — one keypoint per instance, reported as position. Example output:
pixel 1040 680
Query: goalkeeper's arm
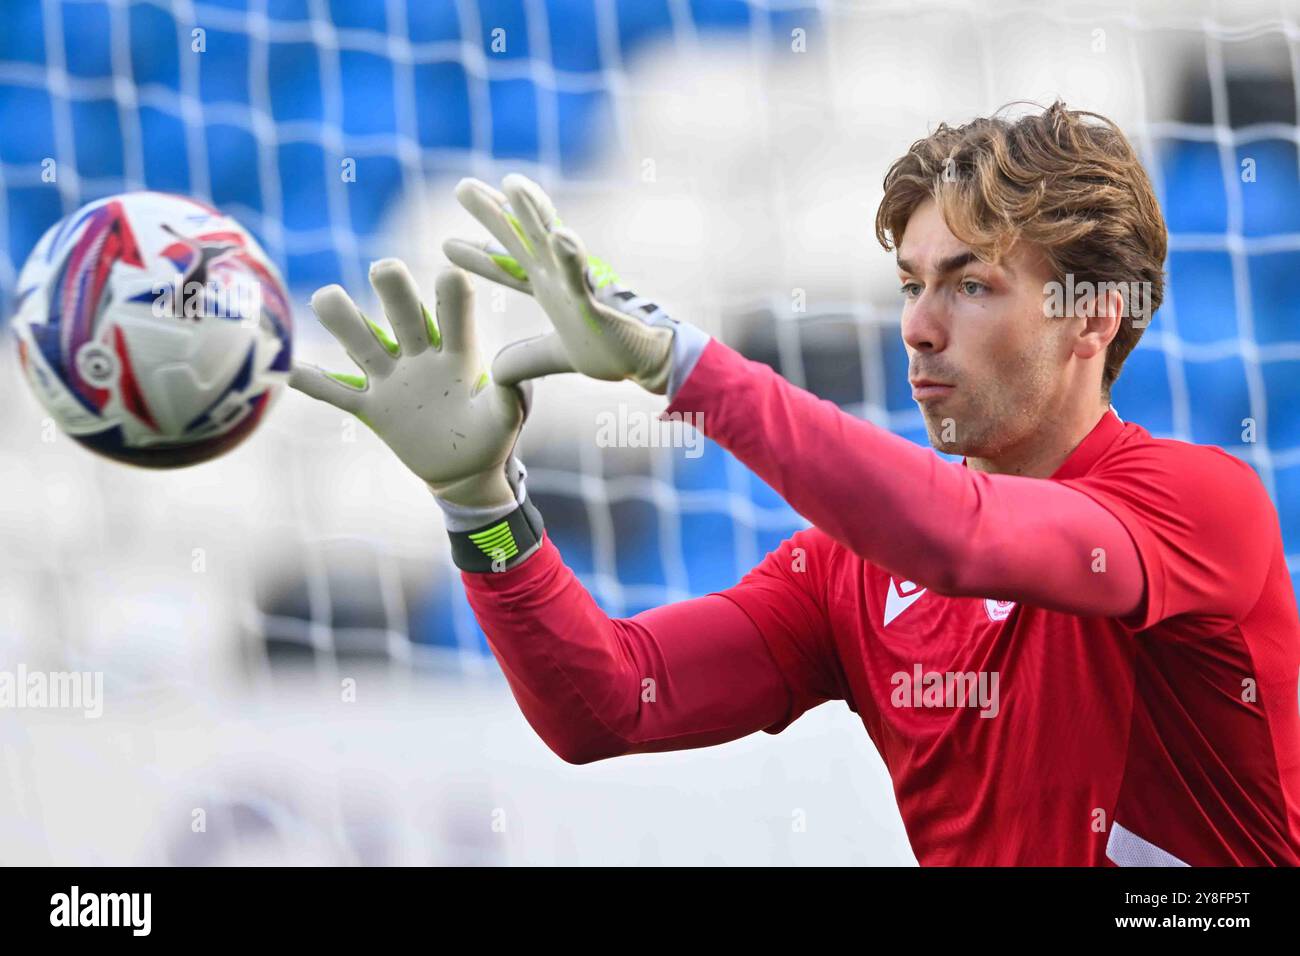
pixel 690 674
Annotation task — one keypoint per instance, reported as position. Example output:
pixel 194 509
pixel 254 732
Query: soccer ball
pixel 153 329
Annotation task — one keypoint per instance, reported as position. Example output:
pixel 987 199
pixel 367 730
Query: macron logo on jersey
pixel 900 597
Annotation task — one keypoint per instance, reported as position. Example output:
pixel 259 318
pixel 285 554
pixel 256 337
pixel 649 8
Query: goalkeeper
pixel 1127 598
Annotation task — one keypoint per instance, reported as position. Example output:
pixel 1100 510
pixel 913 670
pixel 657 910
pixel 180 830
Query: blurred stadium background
pixel 727 157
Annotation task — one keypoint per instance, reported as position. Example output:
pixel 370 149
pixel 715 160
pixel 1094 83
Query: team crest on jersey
pixel 998 610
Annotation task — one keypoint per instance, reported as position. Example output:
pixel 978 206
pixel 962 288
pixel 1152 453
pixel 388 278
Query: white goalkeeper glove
pixel 601 328
pixel 426 395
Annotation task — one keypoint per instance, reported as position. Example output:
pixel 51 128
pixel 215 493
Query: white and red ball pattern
pixel 137 332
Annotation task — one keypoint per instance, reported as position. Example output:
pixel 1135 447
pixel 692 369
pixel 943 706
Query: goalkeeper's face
pixel 987 368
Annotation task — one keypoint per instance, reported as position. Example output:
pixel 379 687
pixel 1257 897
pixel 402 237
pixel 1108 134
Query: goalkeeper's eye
pixel 972 287
pixel 910 290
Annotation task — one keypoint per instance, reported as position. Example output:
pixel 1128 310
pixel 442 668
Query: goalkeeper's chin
pixel 946 425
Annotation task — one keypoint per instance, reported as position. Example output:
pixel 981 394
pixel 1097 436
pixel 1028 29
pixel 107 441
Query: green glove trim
pixel 358 382
pixel 431 327
pixel 381 333
pixel 510 267
pixel 501 545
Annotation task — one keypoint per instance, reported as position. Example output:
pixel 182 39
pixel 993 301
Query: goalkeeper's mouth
pixel 925 389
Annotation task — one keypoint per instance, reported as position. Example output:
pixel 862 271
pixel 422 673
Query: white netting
pixel 727 157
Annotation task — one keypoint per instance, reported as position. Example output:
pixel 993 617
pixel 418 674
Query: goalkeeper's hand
pixel 601 328
pixel 427 396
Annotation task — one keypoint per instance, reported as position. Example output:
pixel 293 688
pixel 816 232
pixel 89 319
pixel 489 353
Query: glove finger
pixel 510 410
pixel 338 313
pixel 517 476
pixel 532 206
pixel 531 358
pixel 401 298
pixel 489 207
pixel 571 256
pixel 525 389
pixel 489 260
pixel 456 312
pixel 320 385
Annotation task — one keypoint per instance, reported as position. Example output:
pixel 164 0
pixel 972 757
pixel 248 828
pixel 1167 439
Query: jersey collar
pixel 1090 450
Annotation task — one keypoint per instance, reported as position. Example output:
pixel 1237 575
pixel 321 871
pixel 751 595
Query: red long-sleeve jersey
pixel 1096 667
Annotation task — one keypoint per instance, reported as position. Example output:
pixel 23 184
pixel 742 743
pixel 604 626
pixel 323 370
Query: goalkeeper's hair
pixel 1067 181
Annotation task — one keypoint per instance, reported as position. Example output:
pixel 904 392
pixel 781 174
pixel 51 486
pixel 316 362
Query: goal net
pixel 726 156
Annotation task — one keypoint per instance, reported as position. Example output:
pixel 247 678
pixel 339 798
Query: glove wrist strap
pixel 500 545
